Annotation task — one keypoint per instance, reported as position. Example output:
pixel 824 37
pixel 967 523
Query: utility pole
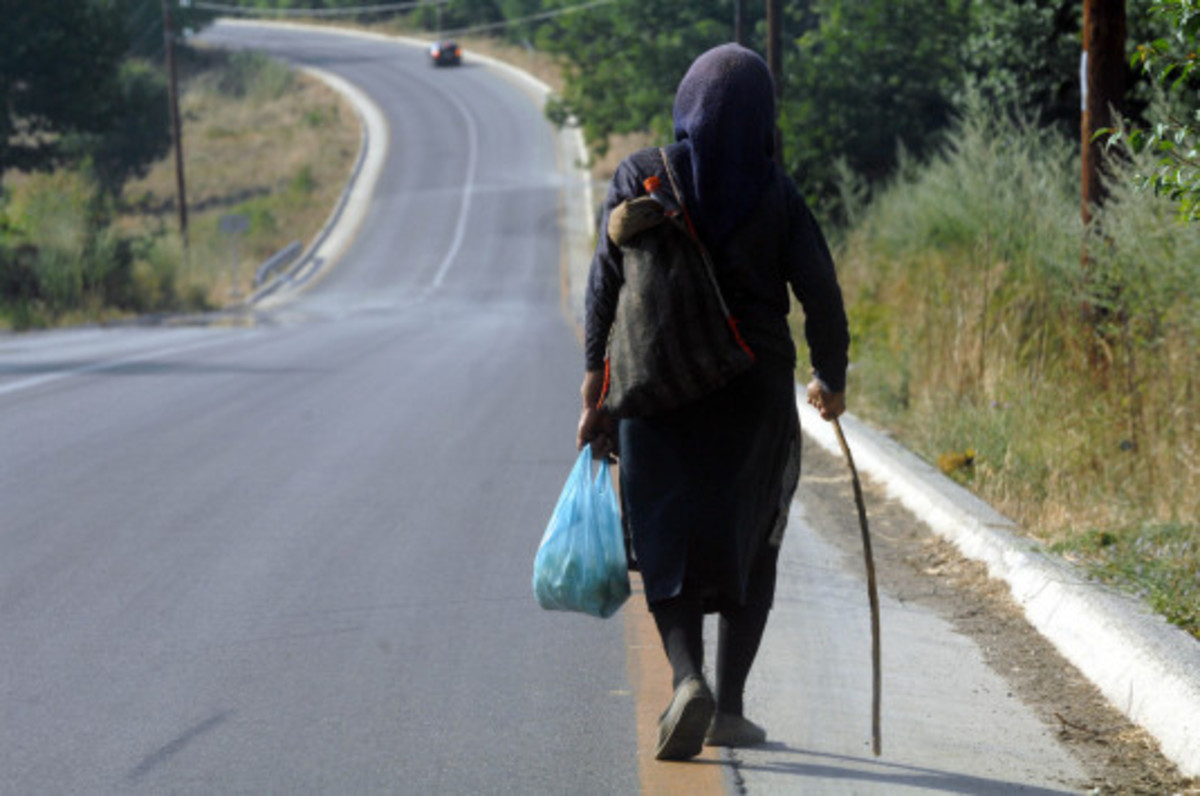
pixel 1102 78
pixel 775 63
pixel 739 22
pixel 176 136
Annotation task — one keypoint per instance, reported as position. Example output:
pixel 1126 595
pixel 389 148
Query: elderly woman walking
pixel 706 487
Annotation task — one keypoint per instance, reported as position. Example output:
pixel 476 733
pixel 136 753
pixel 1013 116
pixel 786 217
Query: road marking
pixel 38 381
pixel 650 676
pixel 468 192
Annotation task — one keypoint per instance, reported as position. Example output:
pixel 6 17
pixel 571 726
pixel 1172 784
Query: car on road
pixel 445 53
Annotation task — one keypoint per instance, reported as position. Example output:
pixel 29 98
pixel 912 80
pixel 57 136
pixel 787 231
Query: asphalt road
pixel 296 558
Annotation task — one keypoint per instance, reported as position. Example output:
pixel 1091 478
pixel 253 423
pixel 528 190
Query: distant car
pixel 445 53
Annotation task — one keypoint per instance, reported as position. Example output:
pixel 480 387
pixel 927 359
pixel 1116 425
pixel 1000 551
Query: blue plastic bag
pixel 580 564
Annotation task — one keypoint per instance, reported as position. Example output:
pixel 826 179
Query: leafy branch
pixel 1174 143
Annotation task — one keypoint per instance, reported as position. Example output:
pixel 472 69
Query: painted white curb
pixel 1147 668
pixel 343 223
pixel 338 232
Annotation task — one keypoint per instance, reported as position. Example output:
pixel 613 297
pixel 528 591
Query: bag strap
pixel 690 229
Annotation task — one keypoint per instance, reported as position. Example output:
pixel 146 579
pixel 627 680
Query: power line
pixel 224 8
pixel 151 27
pixel 330 12
pixel 558 12
pixel 141 11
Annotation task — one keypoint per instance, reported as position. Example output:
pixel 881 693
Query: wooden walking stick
pixel 872 593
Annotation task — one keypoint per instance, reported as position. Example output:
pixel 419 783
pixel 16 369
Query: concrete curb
pixel 338 232
pixel 339 229
pixel 1148 669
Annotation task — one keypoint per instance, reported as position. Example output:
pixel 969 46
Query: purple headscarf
pixel 725 129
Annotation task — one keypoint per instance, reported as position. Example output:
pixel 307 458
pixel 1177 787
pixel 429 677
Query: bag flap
pixel 632 217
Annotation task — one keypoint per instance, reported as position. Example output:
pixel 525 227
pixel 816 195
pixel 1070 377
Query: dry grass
pixel 541 65
pixel 966 298
pixel 279 154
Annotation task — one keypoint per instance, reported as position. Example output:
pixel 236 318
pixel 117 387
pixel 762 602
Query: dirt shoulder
pixel 914 565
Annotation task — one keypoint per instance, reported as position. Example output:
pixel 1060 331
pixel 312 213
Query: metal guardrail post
pixel 279 259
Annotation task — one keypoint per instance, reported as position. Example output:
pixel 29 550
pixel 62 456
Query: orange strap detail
pixel 607 379
pixel 733 324
pixel 737 335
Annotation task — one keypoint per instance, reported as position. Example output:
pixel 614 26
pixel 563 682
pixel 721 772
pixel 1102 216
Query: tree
pixel 862 77
pixel 139 132
pixel 870 77
pixel 624 61
pixel 1023 56
pixel 519 9
pixel 1173 62
pixel 144 29
pixel 76 91
pixel 59 62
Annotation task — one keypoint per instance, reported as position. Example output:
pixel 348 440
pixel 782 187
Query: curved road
pixel 296 558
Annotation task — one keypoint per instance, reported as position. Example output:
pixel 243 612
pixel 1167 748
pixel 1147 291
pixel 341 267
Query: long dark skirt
pixel 703 488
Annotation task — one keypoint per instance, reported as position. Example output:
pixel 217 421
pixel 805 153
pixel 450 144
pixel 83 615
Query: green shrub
pixel 303 184
pixel 1157 562
pixel 978 326
pixel 254 75
pixel 61 260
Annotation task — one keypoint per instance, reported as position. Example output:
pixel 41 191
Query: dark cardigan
pixel 705 486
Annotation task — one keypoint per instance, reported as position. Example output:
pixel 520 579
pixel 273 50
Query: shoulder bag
pixel 673 339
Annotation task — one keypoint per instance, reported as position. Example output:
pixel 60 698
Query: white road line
pixel 38 381
pixel 468 192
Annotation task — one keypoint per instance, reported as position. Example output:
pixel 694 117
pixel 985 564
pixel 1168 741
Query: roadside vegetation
pixel 89 226
pixel 967 295
pixel 262 141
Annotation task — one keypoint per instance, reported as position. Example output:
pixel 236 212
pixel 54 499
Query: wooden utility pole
pixel 176 135
pixel 739 22
pixel 775 62
pixel 1102 78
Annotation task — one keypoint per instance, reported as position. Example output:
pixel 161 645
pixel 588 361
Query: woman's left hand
pixel 831 405
pixel 596 425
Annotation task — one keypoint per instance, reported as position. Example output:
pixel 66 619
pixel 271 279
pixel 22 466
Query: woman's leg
pixel 740 633
pixel 680 623
pixel 683 726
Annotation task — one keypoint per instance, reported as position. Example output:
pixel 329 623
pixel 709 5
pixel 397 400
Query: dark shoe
pixel 730 730
pixel 681 728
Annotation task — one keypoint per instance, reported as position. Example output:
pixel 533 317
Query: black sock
pixel 738 639
pixel 740 633
pixel 681 625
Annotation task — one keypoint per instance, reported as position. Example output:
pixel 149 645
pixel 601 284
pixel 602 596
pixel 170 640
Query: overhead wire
pixel 136 41
pixel 411 4
pixel 226 8
pixel 558 12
